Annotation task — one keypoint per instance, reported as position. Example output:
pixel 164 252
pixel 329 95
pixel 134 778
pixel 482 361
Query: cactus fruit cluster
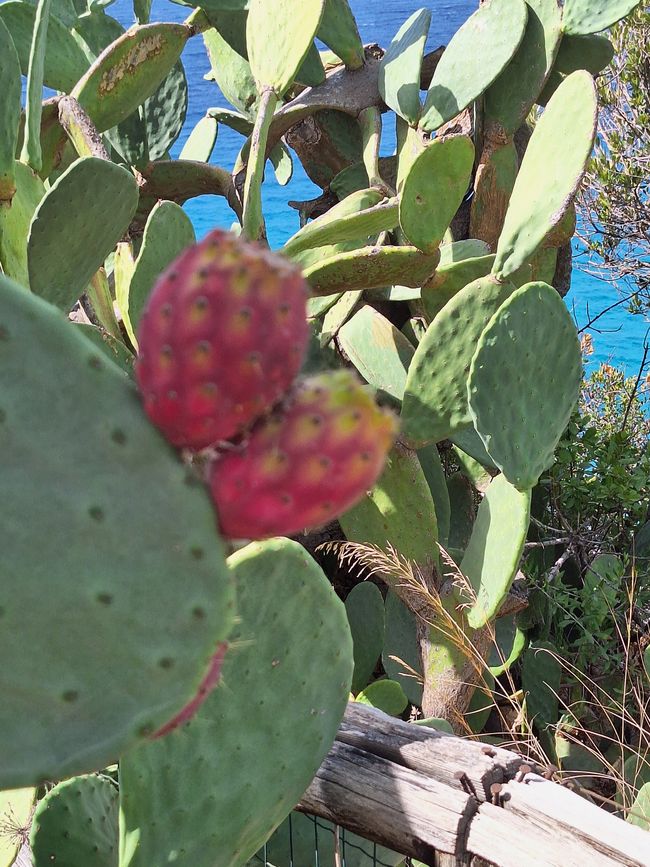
pixel 221 340
pixel 179 698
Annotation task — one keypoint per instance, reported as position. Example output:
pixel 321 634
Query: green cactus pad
pixel 309 841
pixel 232 72
pixel 475 56
pixel 279 34
pixel 10 87
pixel 449 279
pixel 338 30
pixel 435 398
pixel 401 654
pixel 508 645
pixel 128 564
pixel 312 71
pixel 15 811
pixel 184 797
pixel 364 606
pixel 528 355
pixel 459 251
pixel 201 141
pixel 14 223
pixel 385 695
pixel 550 172
pixel 371 268
pixel 378 350
pixel 640 810
pixel 433 190
pixel 129 71
pixel 75 825
pixel 461 508
pixel 164 112
pixel 232 119
pixel 65 61
pixel 473 470
pixel 591 16
pixel 470 442
pixel 358 216
pixel 592 52
pixel 492 555
pixel 31 149
pixel 338 314
pixel 509 99
pixel 76 225
pixel 541 673
pixel 398 511
pixel 399 71
pixel 434 473
pixel 167 233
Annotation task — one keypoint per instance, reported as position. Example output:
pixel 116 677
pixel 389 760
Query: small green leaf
pixel 386 695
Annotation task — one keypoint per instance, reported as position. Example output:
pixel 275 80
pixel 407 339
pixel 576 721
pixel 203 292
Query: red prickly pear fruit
pixel 306 463
pixel 206 686
pixel 221 339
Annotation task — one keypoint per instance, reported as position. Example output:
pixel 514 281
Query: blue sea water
pixel 617 337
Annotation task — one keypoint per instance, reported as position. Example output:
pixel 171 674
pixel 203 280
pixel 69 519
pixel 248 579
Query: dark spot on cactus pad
pixel 70 695
pixel 197 553
pixel 95 362
pixel 146 730
pixel 166 662
pixel 286 499
pixel 118 436
pixel 201 303
pixel 166 309
pixel 104 598
pixel 203 273
pixel 4 333
pixel 198 613
pixel 172 275
pixel 96 513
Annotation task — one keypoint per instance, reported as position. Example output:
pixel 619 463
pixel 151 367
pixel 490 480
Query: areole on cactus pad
pixel 221 339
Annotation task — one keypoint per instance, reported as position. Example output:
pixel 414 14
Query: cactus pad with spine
pixel 590 16
pixel 400 67
pixel 127 563
pixel 279 36
pixel 492 555
pixel 378 350
pixel 433 190
pixel 75 824
pixel 550 172
pixel 76 225
pixel 398 511
pixel 167 233
pixel 338 30
pixel 435 398
pixel 509 99
pixel 65 62
pixel 212 813
pixel 449 279
pixel 364 606
pixel 475 56
pixel 358 216
pixel 129 71
pixel 10 87
pixel 524 382
pixel 232 72
pixel 371 268
pixel 14 223
pixel 401 654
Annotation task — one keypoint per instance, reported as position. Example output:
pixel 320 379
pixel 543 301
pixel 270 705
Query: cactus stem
pixel 253 220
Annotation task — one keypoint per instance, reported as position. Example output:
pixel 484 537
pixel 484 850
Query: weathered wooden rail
pixel 448 801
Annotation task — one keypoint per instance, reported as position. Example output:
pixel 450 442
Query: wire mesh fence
pixel 307 841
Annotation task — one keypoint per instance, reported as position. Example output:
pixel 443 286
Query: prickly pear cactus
pixel 212 812
pixel 116 642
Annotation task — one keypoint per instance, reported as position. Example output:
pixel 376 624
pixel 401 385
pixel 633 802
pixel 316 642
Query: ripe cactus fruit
pixel 221 339
pixel 306 463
